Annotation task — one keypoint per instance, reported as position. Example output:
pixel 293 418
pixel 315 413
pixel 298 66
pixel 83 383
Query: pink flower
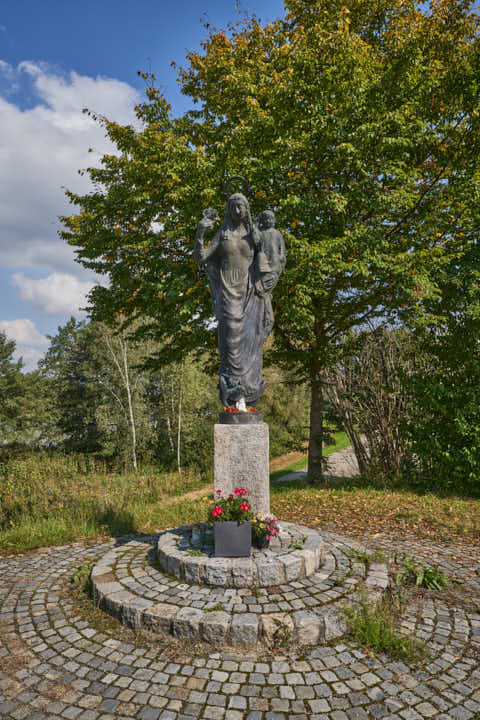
pixel 214 513
pixel 219 511
pixel 269 537
pixel 238 492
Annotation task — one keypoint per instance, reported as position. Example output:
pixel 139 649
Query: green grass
pixel 341 442
pixel 215 608
pixel 56 500
pixel 139 517
pixel 51 500
pixel 373 626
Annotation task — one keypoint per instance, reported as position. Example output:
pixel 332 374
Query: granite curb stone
pixel 140 596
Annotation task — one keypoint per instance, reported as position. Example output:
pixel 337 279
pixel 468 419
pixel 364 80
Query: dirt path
pixel 339 464
pixel 283 461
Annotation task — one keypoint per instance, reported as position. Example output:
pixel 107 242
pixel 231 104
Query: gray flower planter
pixel 232 539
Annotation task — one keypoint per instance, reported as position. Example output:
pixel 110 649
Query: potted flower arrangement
pixel 232 530
pixel 264 529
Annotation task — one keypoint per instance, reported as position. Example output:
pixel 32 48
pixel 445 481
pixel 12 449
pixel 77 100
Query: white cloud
pixel 41 149
pixel 28 341
pixel 29 355
pixel 23 331
pixel 55 294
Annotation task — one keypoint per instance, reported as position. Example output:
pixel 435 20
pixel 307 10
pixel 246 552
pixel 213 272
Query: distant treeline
pixel 100 394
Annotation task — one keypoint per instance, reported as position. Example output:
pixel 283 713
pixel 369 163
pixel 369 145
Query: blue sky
pixel 56 57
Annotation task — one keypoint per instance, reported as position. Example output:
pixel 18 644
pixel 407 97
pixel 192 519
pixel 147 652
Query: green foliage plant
pixel 215 608
pixel 421 575
pixel 12 390
pixel 297 544
pixel 373 627
pixel 443 426
pixel 235 507
pixel 281 635
pixel 82 579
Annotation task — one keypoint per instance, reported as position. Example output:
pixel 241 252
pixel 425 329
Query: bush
pixel 444 421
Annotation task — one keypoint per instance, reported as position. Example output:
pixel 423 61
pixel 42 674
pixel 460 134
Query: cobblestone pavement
pixel 55 664
pixel 131 587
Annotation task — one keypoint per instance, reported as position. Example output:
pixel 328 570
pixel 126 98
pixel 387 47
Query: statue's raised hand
pixel 205 225
pixel 209 218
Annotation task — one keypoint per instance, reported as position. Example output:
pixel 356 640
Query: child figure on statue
pixel 271 250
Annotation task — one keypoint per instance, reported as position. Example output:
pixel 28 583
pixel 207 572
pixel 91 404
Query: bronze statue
pixel 243 262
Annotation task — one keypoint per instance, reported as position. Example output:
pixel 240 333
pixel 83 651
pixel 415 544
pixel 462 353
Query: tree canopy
pixel 356 122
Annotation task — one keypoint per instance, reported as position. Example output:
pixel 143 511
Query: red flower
pixel 238 492
pixel 230 495
pixel 219 492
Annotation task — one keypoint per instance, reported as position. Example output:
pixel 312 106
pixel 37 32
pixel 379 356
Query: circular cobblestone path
pixel 130 587
pixel 53 664
pixel 188 553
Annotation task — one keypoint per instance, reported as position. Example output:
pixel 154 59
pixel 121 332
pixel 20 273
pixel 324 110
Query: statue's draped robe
pixel 244 321
pixel 245 318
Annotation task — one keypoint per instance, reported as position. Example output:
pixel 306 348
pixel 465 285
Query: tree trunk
pixel 167 414
pixel 315 457
pixel 179 466
pixel 133 429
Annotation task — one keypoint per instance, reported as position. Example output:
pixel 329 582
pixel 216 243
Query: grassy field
pixel 47 500
pixel 55 500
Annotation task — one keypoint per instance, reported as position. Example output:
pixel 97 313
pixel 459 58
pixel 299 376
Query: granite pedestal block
pixel 241 458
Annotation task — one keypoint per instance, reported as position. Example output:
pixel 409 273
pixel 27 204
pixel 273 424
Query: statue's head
pixel 238 208
pixel 267 219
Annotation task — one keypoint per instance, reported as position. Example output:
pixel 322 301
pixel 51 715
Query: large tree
pixel 11 390
pixel 355 121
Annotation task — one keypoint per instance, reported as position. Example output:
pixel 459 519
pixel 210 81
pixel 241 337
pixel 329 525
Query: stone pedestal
pixel 241 458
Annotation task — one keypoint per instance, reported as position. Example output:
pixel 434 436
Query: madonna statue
pixel 243 262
